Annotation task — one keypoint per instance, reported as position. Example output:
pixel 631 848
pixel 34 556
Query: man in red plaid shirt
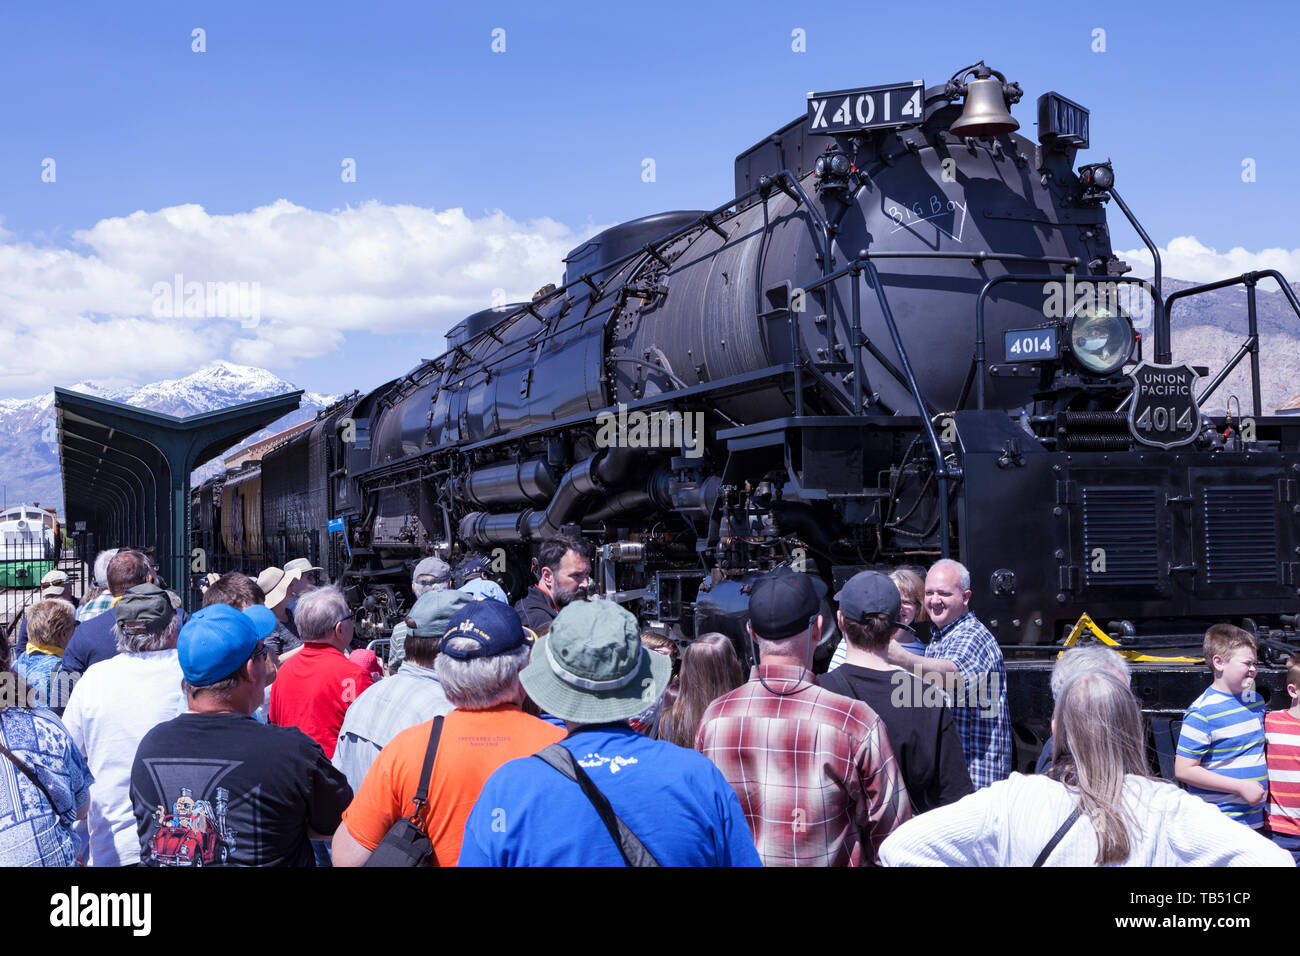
pixel 814 771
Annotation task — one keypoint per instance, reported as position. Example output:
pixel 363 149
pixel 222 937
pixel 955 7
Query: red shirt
pixel 314 689
pixel 1282 736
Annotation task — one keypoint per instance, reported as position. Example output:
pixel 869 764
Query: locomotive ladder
pixel 863 264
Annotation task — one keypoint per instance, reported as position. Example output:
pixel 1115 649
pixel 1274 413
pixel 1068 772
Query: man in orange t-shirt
pixel 481 656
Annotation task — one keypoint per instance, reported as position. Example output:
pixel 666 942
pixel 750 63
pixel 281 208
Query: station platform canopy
pixel 126 470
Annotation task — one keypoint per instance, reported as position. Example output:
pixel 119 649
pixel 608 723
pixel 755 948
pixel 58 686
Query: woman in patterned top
pixel 37 815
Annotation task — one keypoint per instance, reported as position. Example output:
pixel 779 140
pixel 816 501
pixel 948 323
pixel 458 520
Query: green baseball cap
pixel 591 667
pixel 145 607
pixel 432 613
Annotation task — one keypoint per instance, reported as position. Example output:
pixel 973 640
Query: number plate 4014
pixel 1031 345
pixel 1163 412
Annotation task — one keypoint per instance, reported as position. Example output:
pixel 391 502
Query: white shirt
pixel 112 707
pixel 1009 822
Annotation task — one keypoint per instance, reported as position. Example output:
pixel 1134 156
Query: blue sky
pixel 549 136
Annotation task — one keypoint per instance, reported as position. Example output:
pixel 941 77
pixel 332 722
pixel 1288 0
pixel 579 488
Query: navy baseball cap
pixel 782 603
pixel 867 593
pixel 493 626
pixel 216 640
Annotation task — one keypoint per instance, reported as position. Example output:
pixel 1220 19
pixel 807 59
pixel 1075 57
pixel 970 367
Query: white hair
pixel 1089 659
pixel 963 574
pixel 145 641
pixel 480 682
pixel 101 566
pixel 317 611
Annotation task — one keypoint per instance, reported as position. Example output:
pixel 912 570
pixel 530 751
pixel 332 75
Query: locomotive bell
pixel 985 112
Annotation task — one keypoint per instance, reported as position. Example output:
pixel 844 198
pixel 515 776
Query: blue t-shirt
pixel 675 800
pixel 1226 734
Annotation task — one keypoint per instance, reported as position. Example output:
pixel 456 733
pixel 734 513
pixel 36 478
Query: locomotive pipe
pixel 579 481
pixel 514 483
pixel 480 527
pixel 623 503
pixel 589 476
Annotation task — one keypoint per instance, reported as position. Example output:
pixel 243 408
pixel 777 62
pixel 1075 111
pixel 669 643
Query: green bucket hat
pixel 591 667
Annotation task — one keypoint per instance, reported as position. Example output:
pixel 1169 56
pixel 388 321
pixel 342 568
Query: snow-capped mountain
pixel 29 462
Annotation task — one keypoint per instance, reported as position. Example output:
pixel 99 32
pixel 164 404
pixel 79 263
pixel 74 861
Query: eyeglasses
pixel 345 617
pixel 261 650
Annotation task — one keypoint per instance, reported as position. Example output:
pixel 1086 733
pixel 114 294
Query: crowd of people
pixel 560 731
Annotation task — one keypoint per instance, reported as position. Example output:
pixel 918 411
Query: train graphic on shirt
pixel 194 833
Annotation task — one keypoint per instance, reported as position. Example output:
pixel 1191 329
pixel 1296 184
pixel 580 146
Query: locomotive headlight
pixel 1101 338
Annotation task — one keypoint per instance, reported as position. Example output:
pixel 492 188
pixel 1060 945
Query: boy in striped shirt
pixel 1282 728
pixel 1220 752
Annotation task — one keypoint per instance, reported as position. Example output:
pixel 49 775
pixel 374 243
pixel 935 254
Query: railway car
pixel 29 545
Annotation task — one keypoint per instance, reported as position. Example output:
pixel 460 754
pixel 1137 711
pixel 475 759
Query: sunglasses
pixel 261 650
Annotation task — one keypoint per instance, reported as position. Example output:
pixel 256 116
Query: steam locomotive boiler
pixel 905 337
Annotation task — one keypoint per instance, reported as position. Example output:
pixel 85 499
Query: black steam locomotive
pixel 906 337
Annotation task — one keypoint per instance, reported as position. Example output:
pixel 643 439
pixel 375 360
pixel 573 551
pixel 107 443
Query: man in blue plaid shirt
pixel 965 658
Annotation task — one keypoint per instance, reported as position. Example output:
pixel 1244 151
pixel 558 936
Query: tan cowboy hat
pixel 299 566
pixel 275 585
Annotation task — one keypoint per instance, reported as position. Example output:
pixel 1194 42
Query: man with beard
pixel 564 573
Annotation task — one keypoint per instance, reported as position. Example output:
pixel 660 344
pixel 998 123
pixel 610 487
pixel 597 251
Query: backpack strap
pixel 1058 836
pixel 630 847
pixel 422 794
pixel 27 772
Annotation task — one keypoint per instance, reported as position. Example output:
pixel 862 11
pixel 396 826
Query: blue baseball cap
pixel 216 640
pixel 492 625
pixel 483 589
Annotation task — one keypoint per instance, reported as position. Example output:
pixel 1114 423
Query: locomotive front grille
pixel 1240 534
pixel 1119 536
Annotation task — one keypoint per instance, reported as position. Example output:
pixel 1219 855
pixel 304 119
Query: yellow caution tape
pixel 1086 625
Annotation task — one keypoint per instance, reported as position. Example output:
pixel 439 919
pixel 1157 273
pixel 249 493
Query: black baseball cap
pixel 782 603
pixel 867 593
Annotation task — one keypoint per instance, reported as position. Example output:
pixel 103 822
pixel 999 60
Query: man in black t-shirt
pixel 215 787
pixel 916 715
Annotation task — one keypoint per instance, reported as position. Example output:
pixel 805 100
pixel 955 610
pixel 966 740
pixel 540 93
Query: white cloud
pixel 1187 258
pixel 87 312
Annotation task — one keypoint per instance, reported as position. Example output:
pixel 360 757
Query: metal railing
pixel 1251 345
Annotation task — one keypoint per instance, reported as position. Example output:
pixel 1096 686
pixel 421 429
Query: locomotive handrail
pixel 862 263
pixel 980 360
pixel 1251 345
pixel 1163 355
